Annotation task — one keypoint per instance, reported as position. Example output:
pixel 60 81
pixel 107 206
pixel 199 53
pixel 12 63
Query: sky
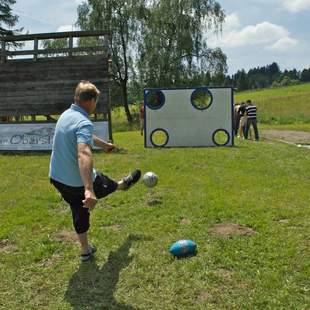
pixel 255 32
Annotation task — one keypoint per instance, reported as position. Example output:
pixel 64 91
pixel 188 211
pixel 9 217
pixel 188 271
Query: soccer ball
pixel 150 179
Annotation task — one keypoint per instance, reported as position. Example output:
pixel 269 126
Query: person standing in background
pixel 243 120
pixel 141 117
pixel 236 118
pixel 251 112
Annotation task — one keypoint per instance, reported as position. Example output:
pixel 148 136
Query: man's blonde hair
pixel 85 90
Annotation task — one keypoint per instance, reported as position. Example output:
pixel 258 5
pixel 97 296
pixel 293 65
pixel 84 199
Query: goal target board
pixel 196 117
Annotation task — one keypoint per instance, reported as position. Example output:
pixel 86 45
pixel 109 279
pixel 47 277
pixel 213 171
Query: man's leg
pixel 255 129
pixel 241 127
pixel 237 124
pixel 80 216
pixel 103 185
pixel 83 239
pixel 247 128
pixel 141 126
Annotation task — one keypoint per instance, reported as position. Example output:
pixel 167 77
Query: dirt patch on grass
pixel 224 274
pixel 114 227
pixel 6 246
pixel 185 221
pixel 51 261
pixel 154 202
pixel 298 137
pixel 284 221
pixel 204 296
pixel 66 236
pixel 228 230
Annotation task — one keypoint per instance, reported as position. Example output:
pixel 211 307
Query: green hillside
pixel 287 105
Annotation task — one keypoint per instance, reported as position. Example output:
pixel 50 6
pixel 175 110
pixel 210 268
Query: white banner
pixel 37 137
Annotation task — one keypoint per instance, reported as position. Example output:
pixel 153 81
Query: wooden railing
pixel 69 51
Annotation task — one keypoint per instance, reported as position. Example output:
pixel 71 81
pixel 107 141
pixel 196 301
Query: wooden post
pixel 70 46
pixel 109 101
pixel 35 49
pixel 3 53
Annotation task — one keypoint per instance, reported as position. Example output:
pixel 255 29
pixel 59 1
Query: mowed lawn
pixel 262 186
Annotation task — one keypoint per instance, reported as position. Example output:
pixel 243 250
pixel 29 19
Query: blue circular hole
pixel 201 98
pixel 155 99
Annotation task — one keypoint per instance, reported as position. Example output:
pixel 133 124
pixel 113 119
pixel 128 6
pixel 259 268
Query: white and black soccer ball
pixel 150 179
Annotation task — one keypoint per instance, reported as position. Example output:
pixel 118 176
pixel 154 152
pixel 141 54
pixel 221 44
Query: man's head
pixel 249 102
pixel 86 96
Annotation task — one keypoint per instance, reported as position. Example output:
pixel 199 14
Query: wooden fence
pixel 40 81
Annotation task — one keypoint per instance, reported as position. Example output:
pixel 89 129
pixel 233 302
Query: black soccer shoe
pixel 131 179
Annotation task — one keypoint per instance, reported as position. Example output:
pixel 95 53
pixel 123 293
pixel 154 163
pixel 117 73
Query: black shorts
pixel 74 196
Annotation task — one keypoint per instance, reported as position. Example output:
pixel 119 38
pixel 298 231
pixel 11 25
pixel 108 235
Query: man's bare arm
pixel 108 147
pixel 85 161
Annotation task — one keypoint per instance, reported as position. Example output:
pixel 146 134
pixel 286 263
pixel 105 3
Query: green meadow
pixel 246 207
pixel 264 263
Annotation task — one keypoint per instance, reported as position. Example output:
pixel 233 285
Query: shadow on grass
pixel 92 287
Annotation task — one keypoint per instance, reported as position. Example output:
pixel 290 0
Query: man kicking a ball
pixel 71 166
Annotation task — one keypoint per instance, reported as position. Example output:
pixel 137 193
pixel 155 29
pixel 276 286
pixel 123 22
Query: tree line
pixel 266 76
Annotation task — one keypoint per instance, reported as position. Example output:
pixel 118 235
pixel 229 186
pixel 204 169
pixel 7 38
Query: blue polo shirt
pixel 73 127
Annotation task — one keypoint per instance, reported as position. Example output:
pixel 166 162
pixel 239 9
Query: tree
pixel 122 19
pixel 241 79
pixel 7 18
pixel 305 75
pixel 174 48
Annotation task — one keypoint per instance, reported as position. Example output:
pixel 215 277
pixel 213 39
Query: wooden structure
pixel 40 81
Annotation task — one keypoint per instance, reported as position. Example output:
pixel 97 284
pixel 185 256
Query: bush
pixel 284 81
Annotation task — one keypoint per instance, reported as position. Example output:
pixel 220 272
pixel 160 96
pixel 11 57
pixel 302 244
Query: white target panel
pixel 189 117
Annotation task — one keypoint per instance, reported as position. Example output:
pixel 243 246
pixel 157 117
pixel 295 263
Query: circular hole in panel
pixel 155 99
pixel 159 137
pixel 221 137
pixel 201 99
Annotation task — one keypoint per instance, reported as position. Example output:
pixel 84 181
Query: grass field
pixel 263 186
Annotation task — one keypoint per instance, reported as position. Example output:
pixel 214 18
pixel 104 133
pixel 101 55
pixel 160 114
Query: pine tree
pixel 7 19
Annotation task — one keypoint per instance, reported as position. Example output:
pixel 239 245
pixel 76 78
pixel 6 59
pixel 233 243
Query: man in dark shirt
pixel 243 120
pixel 236 118
pixel 251 112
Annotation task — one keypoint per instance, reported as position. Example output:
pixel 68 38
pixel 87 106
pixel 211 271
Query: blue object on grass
pixel 183 248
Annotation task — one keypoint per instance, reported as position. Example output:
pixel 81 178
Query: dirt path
pixel 298 137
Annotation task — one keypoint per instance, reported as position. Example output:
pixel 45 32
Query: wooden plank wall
pixel 46 86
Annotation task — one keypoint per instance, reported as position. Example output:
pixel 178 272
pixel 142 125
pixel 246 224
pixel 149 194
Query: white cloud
pixel 283 44
pixel 296 5
pixel 265 34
